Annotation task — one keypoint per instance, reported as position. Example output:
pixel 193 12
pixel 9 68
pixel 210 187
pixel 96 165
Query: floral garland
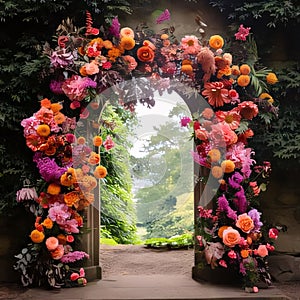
pixel 85 63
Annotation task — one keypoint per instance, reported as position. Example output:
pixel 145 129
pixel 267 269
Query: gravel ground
pixel 136 260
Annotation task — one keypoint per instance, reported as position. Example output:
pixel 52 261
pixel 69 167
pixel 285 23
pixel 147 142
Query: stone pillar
pixel 91 239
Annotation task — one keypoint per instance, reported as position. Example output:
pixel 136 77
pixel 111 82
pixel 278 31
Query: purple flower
pixel 223 205
pixel 74 256
pixel 48 168
pixel 235 180
pixel 242 33
pixel 55 87
pixel 254 214
pixel 240 201
pixel 114 29
pixel 242 269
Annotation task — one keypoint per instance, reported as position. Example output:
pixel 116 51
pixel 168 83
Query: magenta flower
pixel 108 143
pixel 114 29
pixel 240 201
pixel 185 121
pixel 242 33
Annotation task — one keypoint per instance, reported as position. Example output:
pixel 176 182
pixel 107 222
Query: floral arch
pixel 225 93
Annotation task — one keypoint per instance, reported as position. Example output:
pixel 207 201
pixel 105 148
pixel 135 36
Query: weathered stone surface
pixel 284 267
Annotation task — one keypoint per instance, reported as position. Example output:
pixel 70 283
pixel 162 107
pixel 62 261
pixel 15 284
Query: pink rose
pixel 273 233
pixel 52 243
pixel 262 251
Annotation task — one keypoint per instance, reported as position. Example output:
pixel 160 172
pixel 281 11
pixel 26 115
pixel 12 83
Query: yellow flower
pixel 43 130
pixel 266 96
pixel 37 236
pixel 271 78
pixel 216 42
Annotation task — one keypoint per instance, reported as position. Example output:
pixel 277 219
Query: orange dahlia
pixel 43 130
pixel 37 236
pixel 216 42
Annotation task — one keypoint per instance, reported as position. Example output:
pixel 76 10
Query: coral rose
pixel 126 31
pixel 245 223
pixel 262 251
pixel 231 237
pixel 51 243
pixel 58 252
pixel 145 54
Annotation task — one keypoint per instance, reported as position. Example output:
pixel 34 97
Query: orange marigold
pixel 214 155
pixel 46 103
pixel 68 178
pixel 227 166
pixel 48 223
pixel 216 42
pixel 245 69
pixel 71 198
pixel 100 172
pixel 43 130
pixel 56 107
pixel 243 80
pixel 187 69
pixel 94 158
pixel 53 189
pixel 127 43
pixel 266 96
pixel 271 78
pixel 97 141
pixel 217 171
pixel 37 236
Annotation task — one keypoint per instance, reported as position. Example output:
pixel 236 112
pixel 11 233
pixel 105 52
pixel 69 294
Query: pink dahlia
pixel 190 44
pixel 76 87
pixel 216 94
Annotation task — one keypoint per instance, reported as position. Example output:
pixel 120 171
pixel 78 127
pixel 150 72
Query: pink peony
pixel 262 251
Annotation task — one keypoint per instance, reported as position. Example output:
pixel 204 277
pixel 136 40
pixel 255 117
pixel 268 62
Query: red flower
pixel 216 93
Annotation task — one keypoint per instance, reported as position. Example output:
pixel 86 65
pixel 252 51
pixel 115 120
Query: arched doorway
pixel 129 93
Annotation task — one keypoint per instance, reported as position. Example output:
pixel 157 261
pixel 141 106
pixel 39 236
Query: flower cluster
pixel 85 64
pixel 231 233
pixel 69 168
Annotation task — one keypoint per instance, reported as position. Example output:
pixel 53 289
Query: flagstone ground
pixel 129 260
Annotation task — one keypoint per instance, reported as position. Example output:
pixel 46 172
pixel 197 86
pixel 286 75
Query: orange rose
pixel 37 236
pixel 221 230
pixel 216 42
pixel 245 223
pixel 231 237
pixel 244 253
pixel 145 54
